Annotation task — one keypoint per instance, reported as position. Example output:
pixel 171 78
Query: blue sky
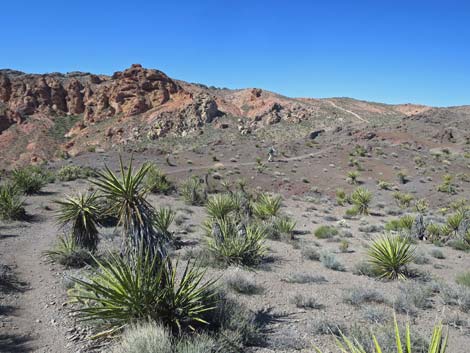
pixel 388 51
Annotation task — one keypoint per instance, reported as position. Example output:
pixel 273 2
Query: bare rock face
pixel 130 92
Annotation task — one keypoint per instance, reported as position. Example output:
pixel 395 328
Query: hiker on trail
pixel 271 153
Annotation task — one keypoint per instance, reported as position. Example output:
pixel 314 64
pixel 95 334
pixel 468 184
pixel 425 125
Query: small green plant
pixel 352 177
pixel 121 293
pixel 463 279
pixel 303 302
pixel 402 177
pixel 403 200
pixel 267 206
pixel 29 180
pixel 403 223
pixel 73 172
pixel 384 185
pixel 437 344
pixel 329 261
pixel 421 205
pixel 82 213
pixel 285 226
pixel 344 245
pixel 164 217
pixel 11 203
pixel 326 232
pixel 447 185
pixel 236 245
pixel 390 255
pixel 220 206
pixel 157 182
pixel 193 192
pixel 341 197
pixel 361 199
pixel 67 253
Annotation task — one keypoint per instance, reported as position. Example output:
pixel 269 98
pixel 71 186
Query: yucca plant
pixel 267 206
pixel 157 182
pixel 361 198
pixel 434 231
pixel 220 206
pixel 236 245
pixel 402 177
pixel 164 217
pixel 421 205
pixel 453 221
pixel 352 177
pixel 28 180
pixel 437 344
pixel 285 226
pixel 403 200
pixel 193 192
pixel 341 197
pixel 403 223
pixel 82 213
pixel 121 293
pixel 384 185
pixel 11 203
pixel 447 185
pixel 389 255
pixel 126 197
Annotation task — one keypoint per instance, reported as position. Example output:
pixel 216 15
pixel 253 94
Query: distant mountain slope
pixel 45 115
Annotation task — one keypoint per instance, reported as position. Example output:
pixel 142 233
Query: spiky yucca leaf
pixel 126 197
pixel 267 206
pixel 82 213
pixel 437 344
pixel 11 203
pixel 361 198
pixel 220 206
pixel 389 255
pixel 164 217
pixel 121 293
pixel 237 245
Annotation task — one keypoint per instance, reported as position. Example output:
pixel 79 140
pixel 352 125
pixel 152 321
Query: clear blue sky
pixel 391 51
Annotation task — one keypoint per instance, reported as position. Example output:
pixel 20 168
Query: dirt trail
pixel 348 111
pixel 244 164
pixel 36 316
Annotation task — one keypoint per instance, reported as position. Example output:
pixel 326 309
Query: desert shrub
pixel 200 343
pixel 73 172
pixel 404 223
pixel 302 278
pixel 123 292
pixel 341 197
pixel 326 232
pixel 329 261
pixel 421 205
pixel 11 203
pixel 267 206
pixel 459 244
pixel 157 182
pixel 417 294
pixel 352 177
pixel 375 315
pixel 193 192
pixel 67 253
pixel 232 245
pixel 28 180
pixel 164 217
pixel 220 206
pixel 344 245
pixel 361 199
pixel 310 253
pixel 126 198
pixel 352 212
pixel 365 268
pixel 402 177
pixel 82 213
pixel 359 296
pixel 303 302
pixel 390 255
pixel 242 283
pixel 403 200
pixel 437 253
pixel 463 279
pixel 384 185
pixel 447 185
pixel 145 337
pixel 456 296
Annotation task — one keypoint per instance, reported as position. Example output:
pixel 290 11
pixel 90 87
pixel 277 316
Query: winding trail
pixel 348 111
pixel 244 164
